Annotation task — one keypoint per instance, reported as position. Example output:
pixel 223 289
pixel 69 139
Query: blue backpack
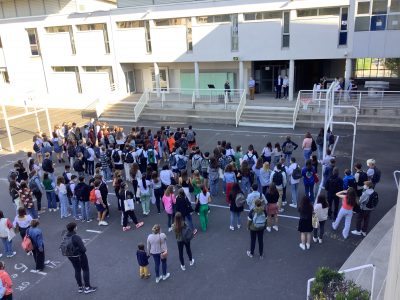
pixel 259 220
pixel 181 163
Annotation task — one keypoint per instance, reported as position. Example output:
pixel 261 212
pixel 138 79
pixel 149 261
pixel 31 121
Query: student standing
pixel 157 247
pixel 365 212
pixel 203 198
pixel 236 206
pixel 36 236
pixel 348 201
pixel 305 222
pixel 256 225
pixel 169 200
pixel 143 261
pixel 179 228
pixel 321 211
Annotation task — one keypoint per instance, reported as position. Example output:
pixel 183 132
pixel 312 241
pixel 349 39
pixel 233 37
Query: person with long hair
pixel 213 176
pixel 125 194
pixel 236 206
pixel 157 247
pixel 144 186
pixel 305 222
pixel 321 210
pixel 229 180
pixel 157 189
pixel 184 206
pixel 36 236
pixel 272 197
pixel 245 174
pixel 185 182
pixel 265 177
pixel 256 171
pixel 203 198
pixel 136 175
pixel 169 200
pixel 178 227
pixel 308 172
pixel 62 195
pixel 349 200
pixel 256 226
pixel 23 221
pixel 306 145
pixel 6 231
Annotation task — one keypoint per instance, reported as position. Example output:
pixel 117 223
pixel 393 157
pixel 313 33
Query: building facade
pixel 70 52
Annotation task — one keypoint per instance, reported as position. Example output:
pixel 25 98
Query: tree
pixel 393 64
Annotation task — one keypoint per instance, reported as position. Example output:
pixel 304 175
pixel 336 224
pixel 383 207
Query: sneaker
pixel 124 229
pixel 261 257
pixel 183 268
pixel 249 254
pixel 90 289
pixel 319 240
pixel 293 205
pixel 104 223
pixel 77 219
pixel 314 239
pixel 158 279
pixel 363 233
pixel 192 262
pixel 169 229
pixel 194 231
pixel 88 221
pixel 284 203
pixel 275 227
pixel 281 210
pixel 1 254
pixel 80 289
pixel 239 226
pixel 356 232
pixel 166 276
pixel 13 254
pixel 231 228
pixel 302 246
pixel 68 215
pixel 308 246
pixel 140 224
pixel 268 229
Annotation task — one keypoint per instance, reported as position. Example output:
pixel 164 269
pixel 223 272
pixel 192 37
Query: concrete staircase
pixel 267 116
pixel 121 111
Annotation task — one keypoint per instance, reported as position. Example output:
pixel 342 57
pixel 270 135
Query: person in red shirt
pixel 6 281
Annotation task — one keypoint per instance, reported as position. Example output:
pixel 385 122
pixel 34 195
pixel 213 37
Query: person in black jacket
pixel 82 192
pixel 184 206
pixel 80 261
pixel 48 166
pixel 79 165
pixel 333 185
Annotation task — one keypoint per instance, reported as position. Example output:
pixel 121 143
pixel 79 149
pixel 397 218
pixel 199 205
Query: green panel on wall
pixel 218 79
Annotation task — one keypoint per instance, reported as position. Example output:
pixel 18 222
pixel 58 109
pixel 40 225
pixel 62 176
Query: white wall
pixel 168 43
pixel 130 45
pixel 377 44
pixel 95 83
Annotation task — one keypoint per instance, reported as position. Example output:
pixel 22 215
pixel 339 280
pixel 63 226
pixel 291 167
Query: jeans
pixel 307 154
pixel 63 205
pixel 257 234
pixel 294 187
pixel 38 256
pixel 7 246
pixel 320 153
pixel 189 220
pixel 214 187
pixel 51 200
pixel 107 173
pixel 157 261
pixel 81 263
pixel 75 207
pixel 90 166
pixel 288 156
pixel 32 212
pixel 158 193
pixel 309 191
pixel 38 196
pixel 169 220
pixel 245 185
pixel 235 218
pixel 363 218
pixel 321 230
pixel 85 210
pixel 188 251
pixel 347 214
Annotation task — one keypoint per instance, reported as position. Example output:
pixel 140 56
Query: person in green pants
pixel 203 198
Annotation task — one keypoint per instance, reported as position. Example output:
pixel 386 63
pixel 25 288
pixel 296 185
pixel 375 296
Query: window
pixel 267 15
pixel 378 22
pixel 307 12
pixel 147 36
pixel 189 40
pixel 393 22
pixel 4 75
pixel 67 28
pixel 362 8
pixel 164 83
pixel 325 11
pixel 170 22
pixel 102 69
pixel 130 24
pixel 234 33
pixel 373 68
pixel 33 41
pixel 379 6
pixel 70 69
pixel 343 26
pixel 395 6
pixel 213 19
pixel 106 40
pixel 362 23
pixel 285 29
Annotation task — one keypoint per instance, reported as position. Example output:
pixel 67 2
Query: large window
pixel 286 29
pixel 214 19
pixel 375 68
pixel 170 22
pixel 33 41
pixel 66 28
pixel 363 8
pixel 343 26
pixel 130 24
pixel 234 33
pixel 97 26
pixel 147 36
pixel 70 69
pixel 266 15
pixel 379 6
pixel 393 22
pixel 164 83
pixel 189 36
pixel 323 11
pixel 395 6
pixel 375 15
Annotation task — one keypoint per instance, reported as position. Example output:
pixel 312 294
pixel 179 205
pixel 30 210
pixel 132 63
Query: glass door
pixel 130 82
pixel 164 82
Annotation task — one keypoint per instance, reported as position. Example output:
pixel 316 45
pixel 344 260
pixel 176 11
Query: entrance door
pixel 266 76
pixel 130 82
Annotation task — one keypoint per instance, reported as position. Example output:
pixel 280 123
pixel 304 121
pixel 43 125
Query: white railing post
pixel 194 100
pixel 226 99
pixel 8 127
pixel 162 98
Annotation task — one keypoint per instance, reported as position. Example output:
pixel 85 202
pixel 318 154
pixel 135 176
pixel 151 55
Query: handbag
pixel 129 204
pixel 315 221
pixel 27 243
pixel 163 254
pixel 316 178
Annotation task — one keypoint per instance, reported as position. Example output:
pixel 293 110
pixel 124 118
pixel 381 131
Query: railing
pixel 296 109
pixel 347 271
pixel 143 100
pixel 90 111
pixel 240 108
pixel 395 177
pixel 369 99
pixel 307 97
pixel 193 97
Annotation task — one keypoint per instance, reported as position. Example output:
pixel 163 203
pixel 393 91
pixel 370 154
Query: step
pixel 269 108
pixel 266 125
pixel 117 120
pixel 278 119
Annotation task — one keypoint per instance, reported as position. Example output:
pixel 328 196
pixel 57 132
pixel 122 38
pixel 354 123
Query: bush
pixel 331 285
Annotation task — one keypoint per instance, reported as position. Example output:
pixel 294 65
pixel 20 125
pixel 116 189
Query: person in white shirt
pixel 118 165
pixel 166 177
pixel 130 158
pixel 285 86
pixel 90 158
pixel 321 210
pixel 294 183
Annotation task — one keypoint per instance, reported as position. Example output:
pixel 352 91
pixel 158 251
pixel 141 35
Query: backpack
pixel 181 163
pixel 240 200
pixel 277 179
pixel 190 136
pixel 259 220
pixel 377 176
pixel 196 164
pixel 224 161
pixel 78 192
pixel 47 147
pixel 331 139
pixel 251 161
pixel 129 158
pixel 184 144
pixel 204 164
pixel 116 157
pixel 172 160
pixel 69 191
pixel 151 156
pixel 297 173
pixel 97 152
pixel 187 233
pixel 320 140
pixel 313 146
pixel 362 177
pixel 47 166
pixel 36 147
pixel 289 147
pixel 33 186
pixel 67 247
pixel 77 165
pixel 111 139
pixel 373 200
pixel 142 159
pixel 92 196
pixel 27 243
pixel 351 182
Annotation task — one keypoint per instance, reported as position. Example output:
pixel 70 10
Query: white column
pixel 347 72
pixel 157 78
pixel 291 79
pixel 241 75
pixel 196 78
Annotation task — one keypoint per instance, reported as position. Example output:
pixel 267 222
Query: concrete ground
pixel 222 270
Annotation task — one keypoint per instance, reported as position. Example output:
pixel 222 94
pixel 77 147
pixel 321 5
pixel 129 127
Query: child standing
pixel 143 261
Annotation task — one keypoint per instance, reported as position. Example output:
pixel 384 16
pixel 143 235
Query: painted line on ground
pixel 94 231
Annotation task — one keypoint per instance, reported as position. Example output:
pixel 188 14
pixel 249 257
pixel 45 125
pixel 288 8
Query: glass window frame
pixel 285 30
pixel 132 24
pixel 212 19
pixel 34 44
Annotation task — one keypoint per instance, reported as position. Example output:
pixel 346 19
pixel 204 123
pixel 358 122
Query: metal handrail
pixel 240 107
pixel 296 110
pixel 143 100
pixel 395 177
pixel 309 281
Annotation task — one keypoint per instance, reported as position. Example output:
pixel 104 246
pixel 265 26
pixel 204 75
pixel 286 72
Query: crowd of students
pixel 168 168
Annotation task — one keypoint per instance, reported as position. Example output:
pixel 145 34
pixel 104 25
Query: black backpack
pixel 373 200
pixel 69 191
pixel 352 183
pixel 116 157
pixel 67 247
pixel 277 179
pixel 142 159
pixel 129 158
pixel 377 176
pixel 362 177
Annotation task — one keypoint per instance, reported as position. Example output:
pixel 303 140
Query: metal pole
pixel 373 282
pixel 359 101
pixel 48 120
pixel 7 127
pixel 37 119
